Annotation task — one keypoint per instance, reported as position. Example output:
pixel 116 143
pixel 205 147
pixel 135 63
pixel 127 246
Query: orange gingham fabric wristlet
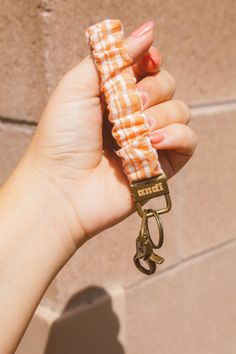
pixel 118 84
pixel 130 130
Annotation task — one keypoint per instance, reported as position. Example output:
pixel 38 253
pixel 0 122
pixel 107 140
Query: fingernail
pixel 150 121
pixel 154 60
pixel 156 137
pixel 149 58
pixel 146 27
pixel 144 97
pixel 154 56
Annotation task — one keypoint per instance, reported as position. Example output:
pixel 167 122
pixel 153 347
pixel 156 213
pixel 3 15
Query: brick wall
pixel 190 306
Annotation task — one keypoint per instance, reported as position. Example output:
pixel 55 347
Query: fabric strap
pixel 130 128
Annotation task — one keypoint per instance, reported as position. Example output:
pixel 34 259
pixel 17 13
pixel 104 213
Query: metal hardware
pixel 150 188
pixel 145 245
pixel 143 191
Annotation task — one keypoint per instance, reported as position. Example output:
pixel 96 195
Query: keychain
pixel 131 133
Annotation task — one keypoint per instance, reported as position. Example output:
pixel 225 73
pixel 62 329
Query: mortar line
pixel 194 106
pixel 45 306
pixel 15 121
pixel 213 105
pixel 184 262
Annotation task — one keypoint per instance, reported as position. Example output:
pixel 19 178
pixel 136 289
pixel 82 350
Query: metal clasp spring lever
pixel 145 244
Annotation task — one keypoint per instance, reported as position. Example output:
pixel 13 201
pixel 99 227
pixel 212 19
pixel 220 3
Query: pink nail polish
pixel 144 97
pixel 149 58
pixel 151 62
pixel 154 60
pixel 154 56
pixel 156 137
pixel 146 27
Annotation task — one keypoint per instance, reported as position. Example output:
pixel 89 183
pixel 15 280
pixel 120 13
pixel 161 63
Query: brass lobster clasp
pixel 145 244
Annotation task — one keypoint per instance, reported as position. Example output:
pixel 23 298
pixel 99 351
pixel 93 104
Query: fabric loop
pixel 130 129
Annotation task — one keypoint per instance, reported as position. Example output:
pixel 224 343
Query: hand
pixel 66 152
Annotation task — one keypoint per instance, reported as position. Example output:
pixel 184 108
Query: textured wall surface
pixel 190 306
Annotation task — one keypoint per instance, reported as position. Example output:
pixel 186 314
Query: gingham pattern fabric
pixel 130 129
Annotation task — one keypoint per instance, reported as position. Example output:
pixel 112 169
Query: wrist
pixel 35 196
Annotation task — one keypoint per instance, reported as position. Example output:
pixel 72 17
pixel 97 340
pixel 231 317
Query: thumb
pixel 84 81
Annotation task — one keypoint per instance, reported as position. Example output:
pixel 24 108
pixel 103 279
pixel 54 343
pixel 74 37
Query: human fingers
pixel 149 64
pixel 176 136
pixel 163 114
pixel 157 88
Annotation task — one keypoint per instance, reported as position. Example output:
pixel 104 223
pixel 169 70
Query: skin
pixel 60 194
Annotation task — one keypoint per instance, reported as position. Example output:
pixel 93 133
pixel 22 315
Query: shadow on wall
pixel 87 325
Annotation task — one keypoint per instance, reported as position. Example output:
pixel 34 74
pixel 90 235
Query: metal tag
pixel 149 188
